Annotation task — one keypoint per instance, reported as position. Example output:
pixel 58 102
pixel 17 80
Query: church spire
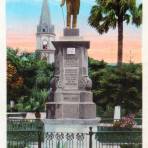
pixel 45 35
pixel 45 25
pixel 45 18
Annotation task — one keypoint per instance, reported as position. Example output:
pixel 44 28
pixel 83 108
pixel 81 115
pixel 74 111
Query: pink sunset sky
pixel 23 17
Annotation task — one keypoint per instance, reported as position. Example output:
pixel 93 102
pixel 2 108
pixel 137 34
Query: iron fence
pixel 100 139
pixel 30 134
pixel 66 140
pixel 24 125
pixel 24 133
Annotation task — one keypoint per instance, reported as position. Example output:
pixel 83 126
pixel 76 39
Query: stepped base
pixel 70 125
pixel 70 110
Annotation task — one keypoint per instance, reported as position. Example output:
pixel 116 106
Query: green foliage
pixel 36 76
pixel 131 146
pixel 105 14
pixel 113 85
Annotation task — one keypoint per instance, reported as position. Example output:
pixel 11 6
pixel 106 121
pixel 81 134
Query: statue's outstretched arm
pixel 62 2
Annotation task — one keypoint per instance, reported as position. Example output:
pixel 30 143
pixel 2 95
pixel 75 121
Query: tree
pixel 14 79
pixel 113 85
pixel 108 14
pixel 14 82
pixel 28 80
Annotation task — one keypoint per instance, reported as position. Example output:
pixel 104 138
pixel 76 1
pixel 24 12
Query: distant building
pixel 45 35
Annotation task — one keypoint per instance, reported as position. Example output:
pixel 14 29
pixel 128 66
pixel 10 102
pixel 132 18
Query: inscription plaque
pixel 71 69
pixel 71 78
pixel 71 51
pixel 71 60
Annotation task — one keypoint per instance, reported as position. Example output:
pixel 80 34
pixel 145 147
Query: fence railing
pixel 66 140
pixel 24 133
pixel 24 124
pixel 25 136
pixel 100 139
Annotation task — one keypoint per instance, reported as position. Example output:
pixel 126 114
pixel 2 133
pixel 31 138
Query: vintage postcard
pixel 74 73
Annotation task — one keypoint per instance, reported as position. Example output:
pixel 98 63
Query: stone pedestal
pixel 70 125
pixel 71 32
pixel 70 110
pixel 70 94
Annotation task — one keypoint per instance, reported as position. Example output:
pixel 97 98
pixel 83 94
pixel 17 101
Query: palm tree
pixel 106 14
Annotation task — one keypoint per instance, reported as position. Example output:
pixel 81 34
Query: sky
pixel 23 18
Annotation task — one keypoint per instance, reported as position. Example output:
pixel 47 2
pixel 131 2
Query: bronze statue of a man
pixel 73 7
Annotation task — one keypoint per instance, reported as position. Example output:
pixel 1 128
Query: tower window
pixel 45 44
pixel 44 30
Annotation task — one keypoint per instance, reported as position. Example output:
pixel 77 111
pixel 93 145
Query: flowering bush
pixel 125 122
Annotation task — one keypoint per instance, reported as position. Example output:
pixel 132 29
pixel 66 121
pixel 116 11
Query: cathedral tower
pixel 45 35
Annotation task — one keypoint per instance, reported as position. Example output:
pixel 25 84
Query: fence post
pixel 90 137
pixel 39 139
pixel 39 134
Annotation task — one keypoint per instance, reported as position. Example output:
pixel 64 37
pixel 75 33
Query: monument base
pixel 71 32
pixel 70 125
pixel 70 110
pixel 71 97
